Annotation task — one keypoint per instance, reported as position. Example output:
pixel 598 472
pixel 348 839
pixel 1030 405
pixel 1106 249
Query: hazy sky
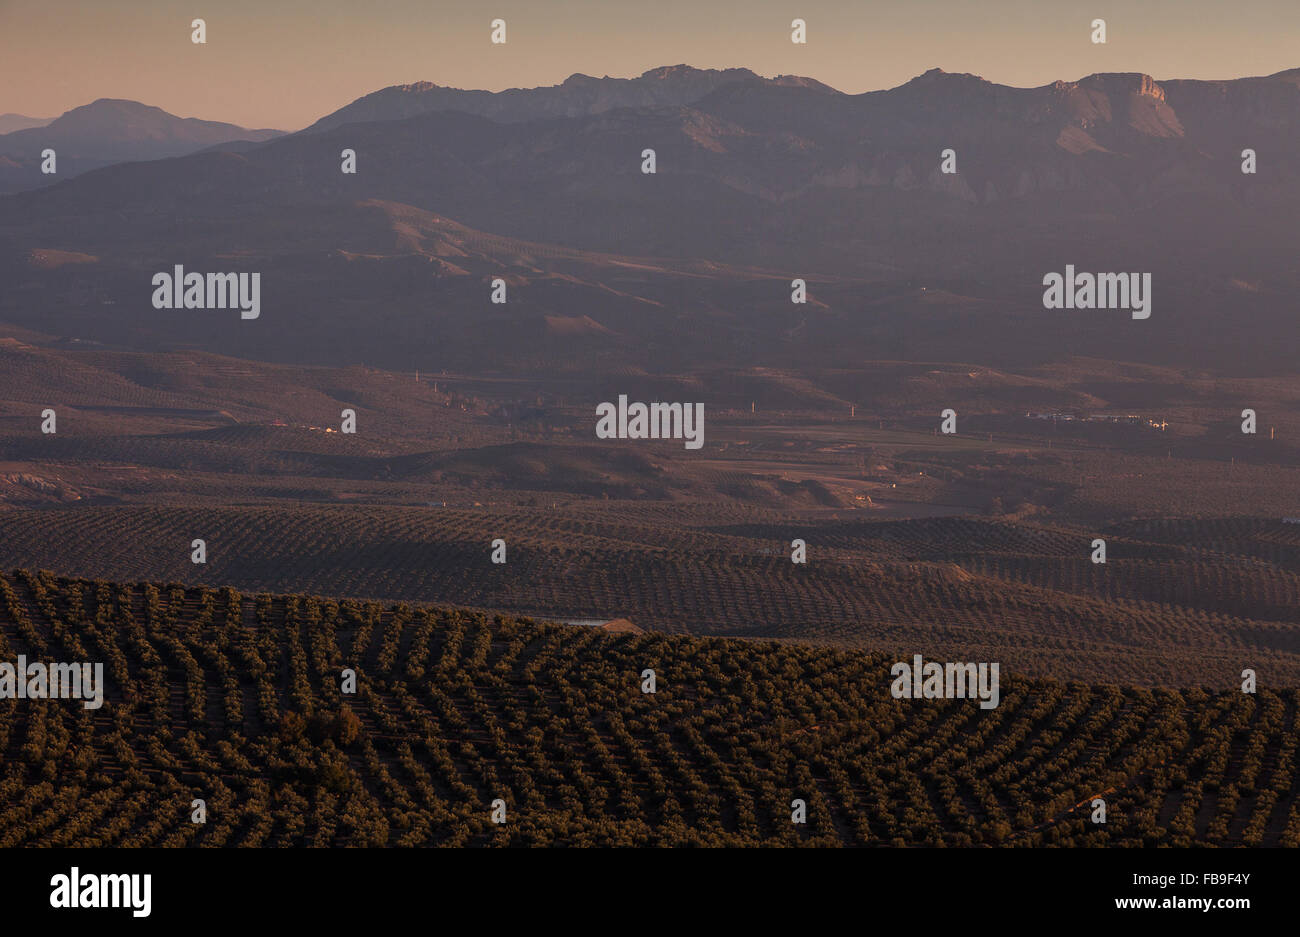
pixel 284 63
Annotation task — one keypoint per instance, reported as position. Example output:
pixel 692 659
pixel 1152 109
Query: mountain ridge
pixel 589 95
pixel 1111 172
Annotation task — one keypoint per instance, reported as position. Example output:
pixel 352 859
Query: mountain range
pixel 758 181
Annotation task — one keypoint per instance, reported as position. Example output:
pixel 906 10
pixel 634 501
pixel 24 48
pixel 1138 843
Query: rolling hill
pixel 236 700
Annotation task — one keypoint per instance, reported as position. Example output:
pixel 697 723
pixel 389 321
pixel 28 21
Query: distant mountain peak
pixel 119 102
pixel 114 109
pixel 118 129
pixel 935 75
pixel 799 81
pixel 415 86
pixel 683 71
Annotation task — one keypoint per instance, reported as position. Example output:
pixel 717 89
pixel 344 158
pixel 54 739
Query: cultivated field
pixel 235 699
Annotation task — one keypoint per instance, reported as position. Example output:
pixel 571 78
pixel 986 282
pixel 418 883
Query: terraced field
pixel 236 699
pixel 1160 612
pixel 970 546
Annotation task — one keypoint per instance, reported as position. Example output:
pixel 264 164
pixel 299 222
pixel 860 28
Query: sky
pixel 284 63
